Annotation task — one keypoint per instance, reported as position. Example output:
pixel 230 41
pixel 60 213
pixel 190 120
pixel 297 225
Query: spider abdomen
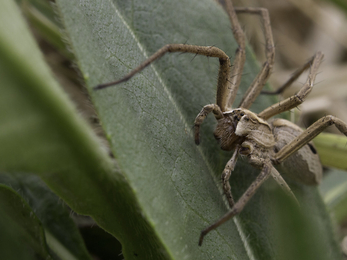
pixel 304 165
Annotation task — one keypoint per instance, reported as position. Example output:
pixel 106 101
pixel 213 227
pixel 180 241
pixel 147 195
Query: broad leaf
pixel 61 232
pixel 148 124
pixel 332 150
pixel 334 191
pixel 22 235
pixel 41 133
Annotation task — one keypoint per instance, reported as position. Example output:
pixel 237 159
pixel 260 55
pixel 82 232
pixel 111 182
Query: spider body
pixel 260 140
pixel 265 142
pixel 241 127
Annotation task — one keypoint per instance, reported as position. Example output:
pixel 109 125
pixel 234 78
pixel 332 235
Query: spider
pixel 264 142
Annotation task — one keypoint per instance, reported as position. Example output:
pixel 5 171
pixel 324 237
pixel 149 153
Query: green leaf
pixel 332 150
pixel 41 133
pixel 339 3
pixel 295 230
pixel 21 234
pixel 61 232
pixel 161 189
pixel 148 124
pixel 40 14
pixel 334 191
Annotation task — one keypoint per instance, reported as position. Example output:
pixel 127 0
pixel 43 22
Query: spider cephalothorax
pixel 226 127
pixel 241 124
pixel 243 128
pixel 264 143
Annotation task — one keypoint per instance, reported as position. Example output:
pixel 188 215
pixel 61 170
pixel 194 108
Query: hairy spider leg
pixel 292 78
pixel 310 133
pixel 229 168
pixel 226 96
pixel 240 204
pixel 208 51
pixel 201 117
pixel 283 184
pixel 258 83
pixel 299 97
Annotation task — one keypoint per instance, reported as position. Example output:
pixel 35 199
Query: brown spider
pixel 264 143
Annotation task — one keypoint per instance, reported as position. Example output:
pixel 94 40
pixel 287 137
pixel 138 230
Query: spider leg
pixel 258 83
pixel 290 81
pixel 229 168
pixel 299 97
pixel 283 184
pixel 240 204
pixel 201 117
pixel 208 51
pixel 226 95
pixel 229 77
pixel 310 133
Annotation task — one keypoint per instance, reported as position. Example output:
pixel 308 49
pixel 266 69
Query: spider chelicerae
pixel 264 142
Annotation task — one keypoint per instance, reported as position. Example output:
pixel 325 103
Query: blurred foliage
pixel 340 3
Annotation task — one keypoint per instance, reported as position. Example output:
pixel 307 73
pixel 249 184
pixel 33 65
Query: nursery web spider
pixel 265 143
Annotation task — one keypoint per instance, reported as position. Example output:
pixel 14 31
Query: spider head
pixel 226 128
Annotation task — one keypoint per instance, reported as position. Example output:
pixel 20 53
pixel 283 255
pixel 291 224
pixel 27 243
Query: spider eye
pixel 242 114
pixel 247 119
